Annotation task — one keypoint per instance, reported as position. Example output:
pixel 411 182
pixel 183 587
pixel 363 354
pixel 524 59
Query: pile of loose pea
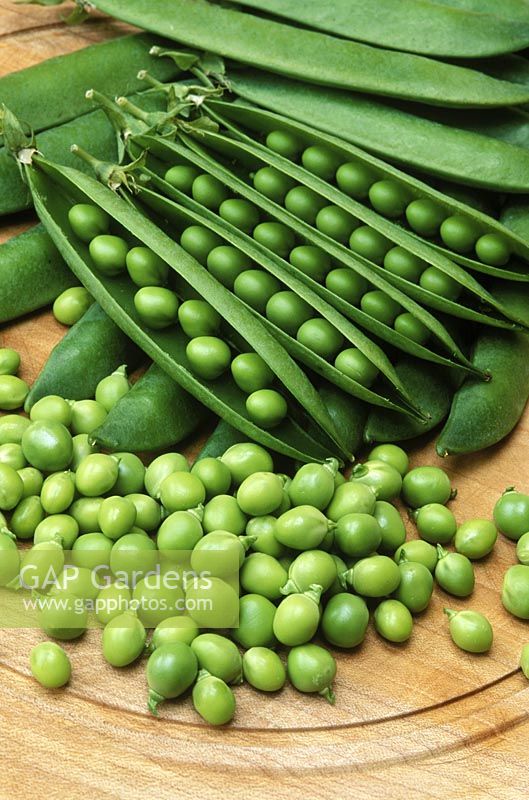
pixel 316 554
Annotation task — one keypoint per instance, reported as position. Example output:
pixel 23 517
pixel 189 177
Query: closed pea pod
pixel 344 620
pixel 393 621
pixel 213 699
pixel 454 573
pixel 263 669
pixel 123 640
pixel 171 669
pixel 470 630
pixel 297 617
pixel 310 669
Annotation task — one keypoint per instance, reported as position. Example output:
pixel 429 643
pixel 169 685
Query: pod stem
pixel 441 552
pixel 197 512
pixel 247 541
pixel 345 578
pixel 8 533
pixel 314 592
pixel 450 613
pixel 154 83
pixel 328 694
pixel 202 674
pixel 153 701
pixel 332 465
pixel 290 587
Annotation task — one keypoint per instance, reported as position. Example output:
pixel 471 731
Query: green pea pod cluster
pixel 55 189
pixel 315 57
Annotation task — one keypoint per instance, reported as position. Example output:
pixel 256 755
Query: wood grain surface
pixel 423 720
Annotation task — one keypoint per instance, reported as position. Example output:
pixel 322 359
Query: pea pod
pixel 414 26
pixel 433 390
pixel 222 438
pixel 116 295
pixel 258 253
pixel 510 9
pixel 348 415
pixel 315 57
pixel 156 414
pixel 437 146
pixel 90 350
pixel 265 121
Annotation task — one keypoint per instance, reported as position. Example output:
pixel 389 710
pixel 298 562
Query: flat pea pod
pixel 344 620
pixel 348 414
pixel 91 349
pixel 219 656
pixel 156 414
pixel 415 587
pixel 393 621
pixel 312 668
pixel 263 669
pixel 171 669
pixel 410 138
pixel 414 27
pixel 32 273
pixel 470 630
pixel 123 639
pixel 213 699
pixel 105 290
pixel 318 58
pixel 454 573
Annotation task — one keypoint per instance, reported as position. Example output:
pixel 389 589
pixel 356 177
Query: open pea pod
pixel 315 57
pixel 54 189
pixel 416 26
pixel 287 272
pixel 262 121
pixel 437 145
pixel 518 270
pixel 183 217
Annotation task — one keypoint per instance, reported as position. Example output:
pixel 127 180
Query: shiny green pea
pixel 392 529
pixel 179 531
pixel 244 459
pixel 174 629
pixel 12 455
pixel 219 656
pixel 109 254
pixel 212 603
pixel 285 143
pixel 357 535
pixel 240 213
pixel 311 260
pixel 148 511
pixel 408 325
pixel 256 617
pixel 439 283
pixel 255 287
pixel 337 223
pixel 12 428
pixel 222 513
pixel 470 630
pixel 356 366
pixel 375 576
pixel 493 249
pixel 123 640
pixel 511 514
pixel 260 494
pixel 302 528
pixel 313 484
pixel 60 526
pixel 92 550
pixel 308 568
pixel 181 177
pixel 160 468
pixel 425 216
pixel 515 591
pixel 304 203
pixel 321 337
pixel 198 318
pixel 52 408
pixel 380 306
pixel 288 311
pixel 71 304
pixel 9 361
pixel 85 511
pixel 111 389
pixel 66 619
pixel 266 407
pixel 263 669
pixel 251 372
pixel 213 699
pixel 181 491
pixel 476 538
pixel 145 268
pixel 112 601
pixel 26 517
pixel 406 265
pixel 351 498
pixel 415 587
pixel 41 565
pixel 272 183
pixel 391 454
pixel 275 236
pixel 346 284
pixel 297 617
pixel 209 191
pixel 321 161
pixel 199 242
pixel 116 517
pixel 389 198
pixel 424 485
pixel 384 480
pixel 459 233
pixel 11 488
pixel 132 556
pixel 88 221
pixel 454 573
pixel 50 665
pixel 419 551
pixel 131 474
pixel 32 480
pixel 393 621
pixel 522 548
pixel 171 670
pixel 312 669
pixel 219 553
pixel 156 306
pixel 58 491
pixel 96 475
pixel 436 523
pixel 13 392
pixel 345 619
pixel 81 447
pixel 78 581
pixel 208 356
pixel 87 415
pixel 214 475
pixel 369 243
pixel 225 263
pixel 355 179
pixel 262 531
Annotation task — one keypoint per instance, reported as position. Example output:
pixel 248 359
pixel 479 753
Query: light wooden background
pixel 422 720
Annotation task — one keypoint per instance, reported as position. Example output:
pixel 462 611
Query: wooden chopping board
pixel 422 720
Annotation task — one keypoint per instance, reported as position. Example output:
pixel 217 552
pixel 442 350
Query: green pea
pixel 112 601
pixel 70 306
pixel 92 550
pixel 219 656
pixel 148 511
pixel 96 475
pixel 50 665
pixel 66 619
pixel 391 454
pixel 87 415
pixel 212 603
pixel 256 617
pixel 380 306
pixel 263 669
pixel 355 179
pixel 297 617
pixel 213 699
pixel 123 640
pixel 262 532
pixel 415 587
pixel 156 306
pixel 439 283
pixel 345 619
pixel 308 568
pixel 285 143
pixel 244 459
pixel 224 513
pixel 419 551
pixel 240 213
pixel 425 216
pixel 12 455
pixel 275 236
pixel 522 547
pixel 12 428
pixel 272 183
pixel 174 629
pixel 384 480
pixel 57 526
pixel 313 484
pixel 436 523
pixel 26 517
pixel 85 511
pixel 255 287
pixel 116 517
pixel 208 356
pixel 181 176
pixel 470 630
pixel 225 263
pixel 78 581
pixel 375 576
pixel 131 474
pixel 160 468
pixel 145 268
pixel 346 284
pixel 392 529
pixel 321 337
pixel 13 392
pixel 493 249
pixel 288 311
pixel 454 573
pixel 171 670
pixel 181 491
pixel 406 265
pixel 511 514
pixel 157 597
pixel 302 528
pixel 11 488
pixel 9 558
pixel 476 538
pixel 81 447
pixel 132 556
pixel 459 233
pixel 321 161
pixel 179 531
pixel 351 498
pixel 515 591
pixel 369 243
pixel 219 553
pixel 58 492
pixel 109 254
pixel 336 223
pixel 266 407
pixel 304 203
pixel 111 389
pixel 260 493
pixel 32 481
pixel 393 621
pixel 388 198
pixel 209 191
pixel 312 261
pixel 353 363
pixel 199 242
pixel 357 535
pixel 424 485
pixel 214 475
pixel 524 661
pixel 251 372
pixel 198 318
pixel 9 361
pixel 88 221
pixel 52 408
pixel 312 669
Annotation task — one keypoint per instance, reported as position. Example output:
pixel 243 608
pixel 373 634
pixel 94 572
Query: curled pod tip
pixel 290 587
pixel 247 541
pixel 197 512
pixel 153 701
pixel 314 592
pixel 328 694
pixel 441 552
